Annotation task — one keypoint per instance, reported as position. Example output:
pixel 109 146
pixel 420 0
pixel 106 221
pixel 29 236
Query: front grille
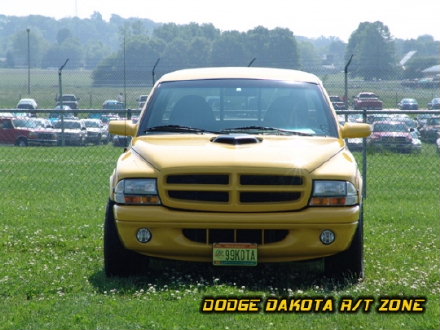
pixel 47 136
pixel 259 236
pixel 394 139
pixel 237 192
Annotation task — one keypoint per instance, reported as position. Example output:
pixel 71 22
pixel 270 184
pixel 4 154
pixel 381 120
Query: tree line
pixel 127 49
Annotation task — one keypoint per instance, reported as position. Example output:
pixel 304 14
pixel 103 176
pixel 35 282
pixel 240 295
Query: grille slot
pixel 203 196
pixel 198 179
pixel 273 180
pixel 259 236
pixel 269 197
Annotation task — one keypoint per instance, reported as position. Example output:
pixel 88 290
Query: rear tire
pixel 118 261
pixel 349 263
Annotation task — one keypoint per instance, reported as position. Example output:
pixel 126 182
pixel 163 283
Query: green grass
pixel 44 87
pixel 51 214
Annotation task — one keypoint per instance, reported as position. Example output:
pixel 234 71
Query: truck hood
pixel 195 151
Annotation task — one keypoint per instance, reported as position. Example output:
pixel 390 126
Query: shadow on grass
pixel 266 278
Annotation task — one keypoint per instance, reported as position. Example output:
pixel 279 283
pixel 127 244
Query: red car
pixel 25 131
pixel 367 101
pixel 394 136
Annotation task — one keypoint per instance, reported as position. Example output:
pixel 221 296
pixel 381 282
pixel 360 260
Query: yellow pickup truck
pixel 236 167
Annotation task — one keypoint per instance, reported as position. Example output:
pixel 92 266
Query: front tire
pixel 349 263
pixel 22 142
pixel 118 261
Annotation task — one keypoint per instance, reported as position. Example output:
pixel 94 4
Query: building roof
pixel 432 69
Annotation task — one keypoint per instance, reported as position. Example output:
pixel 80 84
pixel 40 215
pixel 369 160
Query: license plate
pixel 234 254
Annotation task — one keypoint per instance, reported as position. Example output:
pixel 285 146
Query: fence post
pixel 364 159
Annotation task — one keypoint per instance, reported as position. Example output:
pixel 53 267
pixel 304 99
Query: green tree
pixel 309 60
pixel 228 50
pixel 19 50
pixel 282 49
pixel 415 66
pixel 373 50
pixel 70 48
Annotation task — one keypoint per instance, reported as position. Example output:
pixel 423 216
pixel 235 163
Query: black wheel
pixel 22 142
pixel 349 263
pixel 118 261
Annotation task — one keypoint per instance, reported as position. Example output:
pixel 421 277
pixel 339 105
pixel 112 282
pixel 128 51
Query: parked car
pixel 121 140
pixel 25 131
pixel 56 114
pixel 422 119
pixel 393 136
pixel 113 105
pixel 266 181
pixel 27 105
pixel 42 122
pixel 409 121
pixel 96 132
pixel 141 101
pixel 408 104
pixel 338 102
pixel 434 104
pixel 438 141
pixel 69 99
pixel 367 101
pixel 74 132
pixel 429 131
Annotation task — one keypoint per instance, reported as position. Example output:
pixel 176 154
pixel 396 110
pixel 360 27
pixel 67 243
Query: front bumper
pixel 301 242
pixel 42 142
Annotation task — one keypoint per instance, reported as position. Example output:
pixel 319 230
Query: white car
pixel 29 104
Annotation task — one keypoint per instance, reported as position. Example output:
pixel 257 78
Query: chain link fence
pixel 404 141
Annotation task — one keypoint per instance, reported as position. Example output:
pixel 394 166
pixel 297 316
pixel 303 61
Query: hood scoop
pixel 237 139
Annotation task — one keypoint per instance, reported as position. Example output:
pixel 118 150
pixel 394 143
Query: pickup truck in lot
pixel 24 131
pixel 367 101
pixel 261 175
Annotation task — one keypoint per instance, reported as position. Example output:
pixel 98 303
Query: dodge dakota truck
pixel 236 167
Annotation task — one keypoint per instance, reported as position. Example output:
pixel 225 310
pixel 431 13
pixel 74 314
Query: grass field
pixel 51 215
pixel 44 88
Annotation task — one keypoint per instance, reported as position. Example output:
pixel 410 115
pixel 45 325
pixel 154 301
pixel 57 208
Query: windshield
pixel 25 123
pixel 384 127
pixel 92 123
pixel 238 105
pixel 68 124
pixel 433 121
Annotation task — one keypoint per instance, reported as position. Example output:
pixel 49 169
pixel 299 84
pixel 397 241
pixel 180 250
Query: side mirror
pixel 122 127
pixel 355 130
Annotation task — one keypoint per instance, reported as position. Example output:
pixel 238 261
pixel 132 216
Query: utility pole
pixel 60 85
pixel 29 60
pixel 346 81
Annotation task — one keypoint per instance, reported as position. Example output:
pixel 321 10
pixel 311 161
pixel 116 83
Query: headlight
pixel 137 191
pixel 333 193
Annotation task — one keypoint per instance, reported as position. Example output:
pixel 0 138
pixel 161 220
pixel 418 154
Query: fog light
pixel 143 235
pixel 327 237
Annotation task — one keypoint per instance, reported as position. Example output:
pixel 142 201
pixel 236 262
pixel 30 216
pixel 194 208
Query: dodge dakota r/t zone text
pixel 236 167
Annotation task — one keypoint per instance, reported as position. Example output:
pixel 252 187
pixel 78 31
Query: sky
pixel 406 19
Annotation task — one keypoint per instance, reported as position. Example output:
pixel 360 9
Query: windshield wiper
pixel 265 129
pixel 176 129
